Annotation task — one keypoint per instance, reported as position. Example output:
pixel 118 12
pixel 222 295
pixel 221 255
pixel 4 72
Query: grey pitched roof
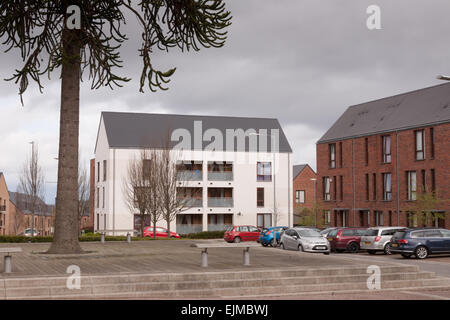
pixel 137 130
pixel 413 109
pixel 297 169
pixel 21 201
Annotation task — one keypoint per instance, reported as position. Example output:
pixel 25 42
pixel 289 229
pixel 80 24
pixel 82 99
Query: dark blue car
pixel 266 235
pixel 421 242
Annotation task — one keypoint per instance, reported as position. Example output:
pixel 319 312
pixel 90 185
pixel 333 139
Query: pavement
pixel 177 256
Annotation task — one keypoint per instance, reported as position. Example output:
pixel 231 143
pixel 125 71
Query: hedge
pixel 204 235
pixel 90 237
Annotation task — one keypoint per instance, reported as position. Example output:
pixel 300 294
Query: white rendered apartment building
pixel 232 169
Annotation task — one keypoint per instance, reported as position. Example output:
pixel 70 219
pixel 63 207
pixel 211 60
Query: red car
pixel 160 233
pixel 345 239
pixel 241 233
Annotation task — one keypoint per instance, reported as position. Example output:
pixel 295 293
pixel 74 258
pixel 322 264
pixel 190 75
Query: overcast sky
pixel 301 61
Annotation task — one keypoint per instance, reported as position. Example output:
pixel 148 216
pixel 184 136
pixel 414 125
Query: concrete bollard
pixel 246 257
pixel 128 237
pixel 8 264
pixel 204 258
pixel 102 237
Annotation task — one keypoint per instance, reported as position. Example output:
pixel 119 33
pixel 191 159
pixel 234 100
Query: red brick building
pixel 305 190
pixel 378 158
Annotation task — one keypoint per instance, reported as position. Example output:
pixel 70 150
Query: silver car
pixel 378 239
pixel 304 239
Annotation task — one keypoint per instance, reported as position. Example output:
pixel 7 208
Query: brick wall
pixel 352 166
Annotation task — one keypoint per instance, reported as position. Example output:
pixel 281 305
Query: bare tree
pixel 18 217
pixel 171 199
pixel 32 182
pixel 136 187
pixel 83 193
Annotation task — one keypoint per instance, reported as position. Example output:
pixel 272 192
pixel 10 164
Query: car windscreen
pixel 371 232
pixel 333 233
pixel 229 229
pixel 399 235
pixel 308 233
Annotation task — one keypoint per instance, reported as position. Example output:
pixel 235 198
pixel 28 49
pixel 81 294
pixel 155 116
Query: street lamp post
pixel 32 173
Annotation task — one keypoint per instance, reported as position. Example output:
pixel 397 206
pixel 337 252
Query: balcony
pixel 216 202
pixel 193 202
pixel 220 171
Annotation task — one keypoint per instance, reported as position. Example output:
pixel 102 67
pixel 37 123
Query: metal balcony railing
pixel 194 203
pixel 220 176
pixel 220 202
pixel 190 175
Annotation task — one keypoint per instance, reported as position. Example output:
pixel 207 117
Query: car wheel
pixel 371 252
pixel 421 252
pixel 282 246
pixel 387 248
pixel 237 240
pixel 264 244
pixel 300 248
pixel 326 253
pixel 406 255
pixel 353 247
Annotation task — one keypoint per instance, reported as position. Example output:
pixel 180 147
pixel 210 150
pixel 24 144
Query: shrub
pixel 204 235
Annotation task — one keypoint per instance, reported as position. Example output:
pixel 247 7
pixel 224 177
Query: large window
pixel 367 186
pixel 104 170
pixel 264 220
pixel 332 153
pixel 387 186
pixel 366 151
pixel 300 196
pixel 412 185
pixel 379 218
pixel 420 144
pixel 326 188
pixel 264 171
pixel 432 143
pixel 326 217
pixel 386 149
pixel 260 197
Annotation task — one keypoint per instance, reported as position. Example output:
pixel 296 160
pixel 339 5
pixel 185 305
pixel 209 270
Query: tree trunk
pixel 65 238
pixel 168 228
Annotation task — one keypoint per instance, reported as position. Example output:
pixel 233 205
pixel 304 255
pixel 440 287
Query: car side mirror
pixel 296 237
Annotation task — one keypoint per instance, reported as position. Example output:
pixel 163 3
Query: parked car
pixel 324 233
pixel 266 235
pixel 160 233
pixel 241 233
pixel 421 242
pixel 345 239
pixel 304 239
pixel 377 239
pixel 27 233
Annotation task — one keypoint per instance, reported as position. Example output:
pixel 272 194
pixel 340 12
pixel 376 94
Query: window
pixel 386 149
pixel 264 220
pixel 104 170
pixel 390 218
pixel 341 188
pixel 326 217
pixel 378 218
pixel 431 143
pixel 433 181
pixel 300 196
pixel 260 197
pixel 366 150
pixel 367 187
pixel 146 167
pixel 334 188
pixel 412 185
pixel 243 229
pixel 340 155
pixel 103 197
pixel 387 186
pixel 420 145
pixel 332 151
pixel 98 197
pixel 412 220
pixel 424 181
pixel 374 186
pixel 264 171
pixel 98 171
pixel 326 188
